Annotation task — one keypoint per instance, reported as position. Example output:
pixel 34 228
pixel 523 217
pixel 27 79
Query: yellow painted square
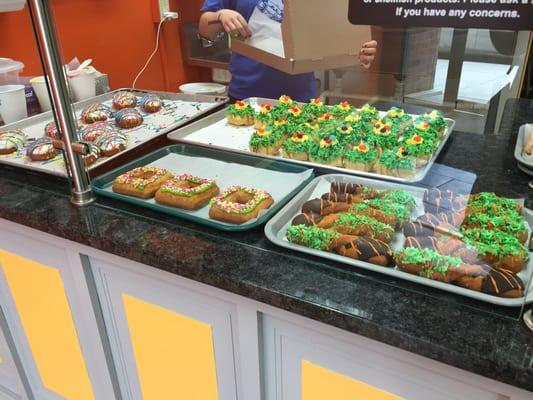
pixel 319 383
pixel 174 354
pixel 42 305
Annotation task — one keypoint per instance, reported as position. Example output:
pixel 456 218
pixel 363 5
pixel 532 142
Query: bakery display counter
pixel 138 264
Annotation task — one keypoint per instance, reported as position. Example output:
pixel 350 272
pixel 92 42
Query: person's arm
pixel 212 22
pixel 368 53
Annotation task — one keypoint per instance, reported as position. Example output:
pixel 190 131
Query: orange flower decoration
pixel 326 117
pixel 316 102
pixel 240 105
pixel 363 148
pixel 416 139
pixel 345 106
pixel 264 132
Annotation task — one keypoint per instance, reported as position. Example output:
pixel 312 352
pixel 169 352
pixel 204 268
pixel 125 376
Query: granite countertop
pixel 470 335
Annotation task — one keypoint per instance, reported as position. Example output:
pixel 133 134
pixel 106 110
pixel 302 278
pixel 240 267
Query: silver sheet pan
pixel 206 132
pixel 276 228
pixel 179 108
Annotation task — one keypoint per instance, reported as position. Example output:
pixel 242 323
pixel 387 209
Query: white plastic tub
pixel 10 71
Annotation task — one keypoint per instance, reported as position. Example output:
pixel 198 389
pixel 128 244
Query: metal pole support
pixel 45 31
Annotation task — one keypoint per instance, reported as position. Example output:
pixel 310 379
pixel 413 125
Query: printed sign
pixel 489 14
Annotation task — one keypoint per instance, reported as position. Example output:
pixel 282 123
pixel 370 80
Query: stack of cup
pixel 12 103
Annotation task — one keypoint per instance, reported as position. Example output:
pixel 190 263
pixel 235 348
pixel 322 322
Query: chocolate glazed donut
pixel 493 281
pixel 323 207
pixel 345 188
pixel 342 198
pixel 422 242
pixel 369 250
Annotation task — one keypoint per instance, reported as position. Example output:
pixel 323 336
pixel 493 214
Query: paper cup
pixel 12 103
pixel 83 86
pixel 39 87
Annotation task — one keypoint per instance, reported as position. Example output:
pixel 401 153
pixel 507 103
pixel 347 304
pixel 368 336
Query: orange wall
pixel 118 35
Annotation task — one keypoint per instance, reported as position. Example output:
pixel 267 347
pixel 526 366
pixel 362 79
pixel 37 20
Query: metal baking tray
pixel 276 228
pixel 179 108
pixel 215 132
pixel 263 174
pixel 525 162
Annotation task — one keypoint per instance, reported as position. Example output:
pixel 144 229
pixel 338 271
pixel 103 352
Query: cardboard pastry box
pixel 315 35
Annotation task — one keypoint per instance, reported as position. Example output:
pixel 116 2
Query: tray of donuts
pixel 473 245
pixel 208 186
pixel 110 124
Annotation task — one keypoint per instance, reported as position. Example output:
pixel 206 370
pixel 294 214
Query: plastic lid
pixel 202 88
pixel 9 65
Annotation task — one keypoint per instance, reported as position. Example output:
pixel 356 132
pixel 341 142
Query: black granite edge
pixel 226 264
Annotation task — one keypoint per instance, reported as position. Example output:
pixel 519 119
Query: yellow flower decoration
pixel 368 108
pixel 382 129
pixel 313 126
pixel 325 117
pixel 328 142
pixel 280 122
pixel 345 129
pixel 422 125
pixel 285 100
pixel 299 137
pixel 353 118
pixel 434 114
pixel 295 111
pixel 401 152
pixel 265 108
pixel 395 113
pixel 316 102
pixel 345 106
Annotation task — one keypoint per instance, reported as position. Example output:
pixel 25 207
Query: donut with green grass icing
pixel 328 151
pixel 241 114
pixel 361 157
pixel 369 113
pixel 297 146
pixel 266 141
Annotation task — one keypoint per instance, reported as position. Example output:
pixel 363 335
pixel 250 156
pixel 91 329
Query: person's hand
pixel 368 53
pixel 234 23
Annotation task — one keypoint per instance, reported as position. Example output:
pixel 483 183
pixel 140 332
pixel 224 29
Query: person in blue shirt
pixel 251 78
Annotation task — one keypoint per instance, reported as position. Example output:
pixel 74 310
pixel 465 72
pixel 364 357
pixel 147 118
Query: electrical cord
pixel 153 53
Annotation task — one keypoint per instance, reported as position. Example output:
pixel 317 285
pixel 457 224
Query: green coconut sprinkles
pixel 311 236
pixel 494 242
pixel 355 220
pixel 433 261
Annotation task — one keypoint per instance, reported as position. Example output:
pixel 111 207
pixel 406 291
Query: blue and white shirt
pixel 251 78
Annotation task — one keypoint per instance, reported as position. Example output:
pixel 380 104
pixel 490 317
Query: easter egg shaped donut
pixel 111 143
pixel 41 149
pixel 91 132
pixel 51 131
pixel 12 141
pixel 124 100
pixel 150 103
pixel 95 112
pixel 128 118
